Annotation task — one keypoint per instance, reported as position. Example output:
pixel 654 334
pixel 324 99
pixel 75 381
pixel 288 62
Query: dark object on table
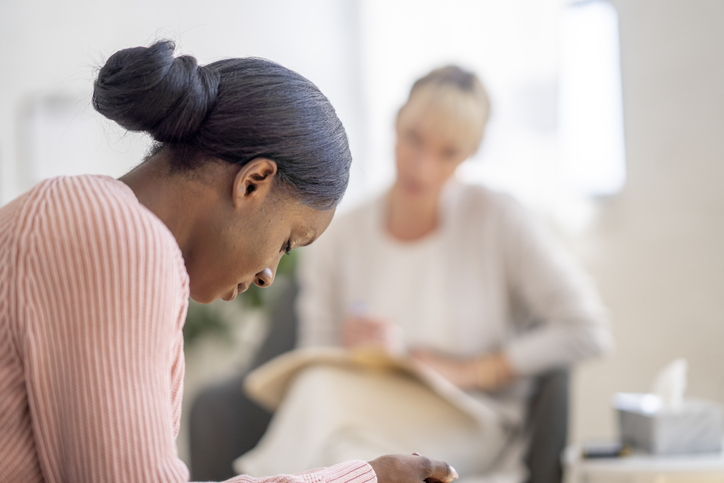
pixel 225 423
pixel 605 449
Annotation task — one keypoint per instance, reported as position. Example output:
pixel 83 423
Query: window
pixel 553 74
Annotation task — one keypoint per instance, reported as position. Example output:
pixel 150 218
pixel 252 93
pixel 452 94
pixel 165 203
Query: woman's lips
pixel 232 295
pixel 241 288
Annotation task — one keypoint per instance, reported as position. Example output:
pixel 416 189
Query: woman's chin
pixel 231 295
pixel 416 192
pixel 208 296
pixel 204 296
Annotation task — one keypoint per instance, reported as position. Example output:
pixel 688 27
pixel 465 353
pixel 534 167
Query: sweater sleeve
pixel 104 295
pixel 105 300
pixel 347 472
pixel 572 322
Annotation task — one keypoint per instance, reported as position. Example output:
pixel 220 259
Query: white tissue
pixel 670 384
pixel 664 422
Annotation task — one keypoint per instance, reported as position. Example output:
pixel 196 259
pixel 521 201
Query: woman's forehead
pixel 444 127
pixel 456 115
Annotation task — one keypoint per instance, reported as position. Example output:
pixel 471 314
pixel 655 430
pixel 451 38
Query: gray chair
pixel 225 423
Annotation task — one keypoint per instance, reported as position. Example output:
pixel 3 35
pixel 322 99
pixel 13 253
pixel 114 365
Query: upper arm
pixel 103 348
pixel 555 291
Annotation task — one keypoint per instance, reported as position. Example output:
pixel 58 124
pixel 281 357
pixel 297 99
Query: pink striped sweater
pixel 93 297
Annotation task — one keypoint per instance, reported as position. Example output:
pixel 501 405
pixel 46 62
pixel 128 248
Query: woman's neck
pixel 177 200
pixel 411 218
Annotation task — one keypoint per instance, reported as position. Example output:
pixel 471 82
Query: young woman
pixel 457 277
pixel 95 273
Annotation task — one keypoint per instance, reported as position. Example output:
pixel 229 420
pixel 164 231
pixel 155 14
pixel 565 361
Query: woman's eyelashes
pixel 287 247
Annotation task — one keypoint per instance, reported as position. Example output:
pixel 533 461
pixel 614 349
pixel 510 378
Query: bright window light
pixel 591 115
pixel 553 74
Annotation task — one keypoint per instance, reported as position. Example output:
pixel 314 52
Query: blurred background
pixel 608 121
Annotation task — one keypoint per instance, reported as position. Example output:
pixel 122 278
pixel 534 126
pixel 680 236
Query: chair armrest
pixel 547 426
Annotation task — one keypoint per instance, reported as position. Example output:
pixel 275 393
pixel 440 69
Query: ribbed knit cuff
pixel 347 472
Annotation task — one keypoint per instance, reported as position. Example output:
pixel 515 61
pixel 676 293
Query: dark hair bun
pixel 147 89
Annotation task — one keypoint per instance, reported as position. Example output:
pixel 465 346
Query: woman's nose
pixel 264 278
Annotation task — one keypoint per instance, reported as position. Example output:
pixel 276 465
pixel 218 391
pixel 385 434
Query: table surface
pixel 642 462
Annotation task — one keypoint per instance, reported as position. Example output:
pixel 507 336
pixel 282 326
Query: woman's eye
pixel 287 248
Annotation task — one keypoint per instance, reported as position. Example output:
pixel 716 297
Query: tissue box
pixel 694 427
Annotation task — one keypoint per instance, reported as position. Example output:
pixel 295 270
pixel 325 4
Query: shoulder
pixel 362 213
pixel 476 196
pixel 472 201
pixel 349 232
pixel 98 220
pixel 356 222
pixel 88 208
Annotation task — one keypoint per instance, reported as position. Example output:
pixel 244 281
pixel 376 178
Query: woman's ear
pixel 253 181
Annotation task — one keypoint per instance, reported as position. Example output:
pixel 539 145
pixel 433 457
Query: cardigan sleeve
pixel 572 322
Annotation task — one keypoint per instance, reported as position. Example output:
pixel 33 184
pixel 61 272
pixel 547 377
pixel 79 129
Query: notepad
pixel 268 383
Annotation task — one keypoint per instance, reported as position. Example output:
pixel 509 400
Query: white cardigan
pixel 488 278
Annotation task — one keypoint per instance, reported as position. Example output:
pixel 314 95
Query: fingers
pixel 442 472
pixel 425 357
pixel 358 331
pixel 411 469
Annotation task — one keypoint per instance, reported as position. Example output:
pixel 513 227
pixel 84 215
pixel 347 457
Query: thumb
pixel 441 472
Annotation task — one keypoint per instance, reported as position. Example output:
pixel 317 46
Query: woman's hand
pixel 371 333
pixel 487 372
pixel 402 468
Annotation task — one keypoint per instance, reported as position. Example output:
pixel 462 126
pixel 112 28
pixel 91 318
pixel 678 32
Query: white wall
pixel 657 248
pixel 512 45
pixel 54 46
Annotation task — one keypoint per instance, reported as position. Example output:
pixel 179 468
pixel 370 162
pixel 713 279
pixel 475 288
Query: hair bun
pixel 147 89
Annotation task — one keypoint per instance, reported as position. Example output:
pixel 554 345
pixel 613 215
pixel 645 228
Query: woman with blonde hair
pixel 455 277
